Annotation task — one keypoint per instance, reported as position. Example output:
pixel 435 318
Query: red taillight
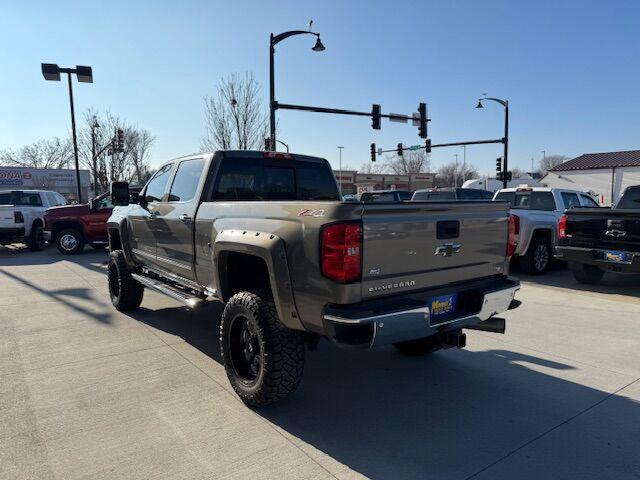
pixel 562 227
pixel 17 217
pixel 514 229
pixel 341 251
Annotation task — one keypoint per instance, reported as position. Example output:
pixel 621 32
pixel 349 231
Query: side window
pixel 570 200
pixel 185 183
pixel 507 197
pixel 158 184
pixel 51 199
pixel 588 201
pixel 542 201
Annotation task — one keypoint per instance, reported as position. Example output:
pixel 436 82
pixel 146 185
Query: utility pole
pixel 455 172
pixel 340 170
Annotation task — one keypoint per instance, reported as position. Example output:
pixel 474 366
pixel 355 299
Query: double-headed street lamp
pixel 51 71
pixel 505 139
pixel 274 40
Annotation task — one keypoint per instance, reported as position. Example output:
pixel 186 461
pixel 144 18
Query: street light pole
pixel 340 170
pixel 52 71
pixel 505 139
pixel 455 172
pixel 273 105
pixel 94 160
pixel 75 140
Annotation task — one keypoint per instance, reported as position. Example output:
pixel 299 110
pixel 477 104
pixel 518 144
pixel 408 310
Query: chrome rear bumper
pixel 413 323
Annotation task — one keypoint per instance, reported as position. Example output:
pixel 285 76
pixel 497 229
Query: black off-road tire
pixel 70 241
pixel 587 274
pixel 538 257
pixel 269 366
pixel 417 348
pixel 125 292
pixel 36 238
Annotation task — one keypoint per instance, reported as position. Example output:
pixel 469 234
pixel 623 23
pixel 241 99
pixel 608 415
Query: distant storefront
pixel 355 183
pixel 60 180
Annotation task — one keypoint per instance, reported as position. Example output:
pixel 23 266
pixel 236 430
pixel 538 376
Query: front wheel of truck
pixel 125 292
pixel 587 274
pixel 263 359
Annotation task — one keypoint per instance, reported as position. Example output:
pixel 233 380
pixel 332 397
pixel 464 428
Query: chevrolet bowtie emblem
pixel 448 249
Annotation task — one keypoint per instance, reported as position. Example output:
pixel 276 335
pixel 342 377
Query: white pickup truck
pixel 21 216
pixel 537 211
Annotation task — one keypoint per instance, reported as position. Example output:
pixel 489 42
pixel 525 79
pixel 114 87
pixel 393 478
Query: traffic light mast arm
pixel 453 144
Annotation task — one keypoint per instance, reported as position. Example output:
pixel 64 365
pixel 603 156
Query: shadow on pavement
pixel 63 295
pixel 563 278
pixel 448 415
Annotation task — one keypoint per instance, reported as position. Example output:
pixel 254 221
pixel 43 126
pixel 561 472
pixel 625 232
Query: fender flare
pixel 121 226
pixel 270 248
pixel 547 228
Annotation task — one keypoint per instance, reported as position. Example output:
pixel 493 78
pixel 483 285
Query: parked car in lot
pixel 451 193
pixel 537 211
pixel 21 215
pixel 599 240
pixel 385 196
pixel 71 227
pixel 266 233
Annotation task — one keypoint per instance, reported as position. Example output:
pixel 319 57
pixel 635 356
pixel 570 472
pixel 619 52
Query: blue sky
pixel 570 70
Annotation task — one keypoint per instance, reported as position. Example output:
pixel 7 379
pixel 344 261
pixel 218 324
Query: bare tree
pixel 131 165
pixel 51 153
pixel 377 167
pixel 451 174
pixel 235 116
pixel 412 161
pixel 517 172
pixel 550 161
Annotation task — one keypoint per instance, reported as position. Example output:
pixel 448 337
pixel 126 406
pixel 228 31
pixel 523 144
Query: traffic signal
pixel 499 176
pixel 399 149
pixel 509 176
pixel 120 140
pixel 422 126
pixel 373 152
pixel 427 145
pixel 499 164
pixel 375 116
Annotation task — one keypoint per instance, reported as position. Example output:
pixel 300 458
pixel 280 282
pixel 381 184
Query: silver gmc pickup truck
pixel 267 234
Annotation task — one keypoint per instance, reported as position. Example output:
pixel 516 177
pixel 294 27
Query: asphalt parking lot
pixel 87 392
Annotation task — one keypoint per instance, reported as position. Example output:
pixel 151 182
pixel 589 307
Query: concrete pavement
pixel 87 392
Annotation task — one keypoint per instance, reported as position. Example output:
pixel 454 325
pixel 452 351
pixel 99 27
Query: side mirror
pixel 119 192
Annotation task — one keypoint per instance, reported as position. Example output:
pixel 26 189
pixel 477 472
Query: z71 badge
pixel 311 212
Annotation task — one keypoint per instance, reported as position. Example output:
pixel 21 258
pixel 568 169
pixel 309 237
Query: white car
pixel 538 210
pixel 21 215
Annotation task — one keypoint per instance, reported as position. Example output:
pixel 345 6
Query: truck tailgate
pixel 413 246
pixel 6 216
pixel 603 228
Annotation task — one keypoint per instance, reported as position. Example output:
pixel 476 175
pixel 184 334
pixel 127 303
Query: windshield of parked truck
pixel 253 179
pixel 630 199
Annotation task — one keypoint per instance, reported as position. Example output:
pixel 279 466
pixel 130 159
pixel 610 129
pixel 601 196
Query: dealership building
pixel 61 180
pixel 605 175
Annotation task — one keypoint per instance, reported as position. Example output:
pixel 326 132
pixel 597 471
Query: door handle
pixel 184 218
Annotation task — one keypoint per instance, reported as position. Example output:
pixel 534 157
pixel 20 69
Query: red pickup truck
pixel 70 227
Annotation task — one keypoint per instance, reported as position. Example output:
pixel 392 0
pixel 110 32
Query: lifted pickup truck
pixel 267 234
pixel 599 240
